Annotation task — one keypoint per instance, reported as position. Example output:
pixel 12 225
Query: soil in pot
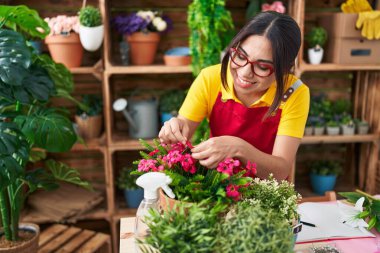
pixel 25 236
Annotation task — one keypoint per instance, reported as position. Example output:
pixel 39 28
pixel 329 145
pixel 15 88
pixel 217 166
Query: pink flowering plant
pixel 63 25
pixel 193 182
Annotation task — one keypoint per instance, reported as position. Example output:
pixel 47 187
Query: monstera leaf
pixel 15 57
pixel 24 19
pixel 14 152
pixel 47 129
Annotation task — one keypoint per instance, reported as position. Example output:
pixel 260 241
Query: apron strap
pixel 291 90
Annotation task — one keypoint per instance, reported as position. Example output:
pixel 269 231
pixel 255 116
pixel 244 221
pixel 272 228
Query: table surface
pixel 362 245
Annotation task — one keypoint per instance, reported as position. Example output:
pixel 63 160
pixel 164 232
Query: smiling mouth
pixel 245 83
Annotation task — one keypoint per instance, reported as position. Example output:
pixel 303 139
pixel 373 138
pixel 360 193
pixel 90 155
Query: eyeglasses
pixel 260 69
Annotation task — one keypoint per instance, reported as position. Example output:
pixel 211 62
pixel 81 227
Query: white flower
pixel 159 23
pixel 147 15
pixel 350 215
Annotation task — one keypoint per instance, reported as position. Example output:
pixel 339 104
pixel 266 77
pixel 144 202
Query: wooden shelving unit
pixel 113 141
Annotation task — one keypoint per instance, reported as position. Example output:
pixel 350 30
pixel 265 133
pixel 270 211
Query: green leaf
pixel 61 76
pixel 40 179
pixel 25 19
pixel 67 174
pixel 351 196
pixel 37 155
pixel 13 49
pixel 375 207
pixel 38 84
pixel 47 129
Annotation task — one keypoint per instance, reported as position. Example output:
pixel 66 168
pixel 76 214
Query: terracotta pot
pixel 89 127
pixel 65 49
pixel 30 246
pixel 143 47
pixel 177 60
pixel 166 203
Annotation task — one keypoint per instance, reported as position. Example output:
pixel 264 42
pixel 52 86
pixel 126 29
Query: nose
pixel 246 71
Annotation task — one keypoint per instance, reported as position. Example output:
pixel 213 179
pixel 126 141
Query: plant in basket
pixel 142 32
pixel 63 41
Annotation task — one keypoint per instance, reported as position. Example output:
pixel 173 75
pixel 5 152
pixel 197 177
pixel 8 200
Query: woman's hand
pixel 173 131
pixel 215 150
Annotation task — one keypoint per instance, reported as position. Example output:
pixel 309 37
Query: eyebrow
pixel 261 60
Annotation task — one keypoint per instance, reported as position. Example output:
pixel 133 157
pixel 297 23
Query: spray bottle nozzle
pixel 152 181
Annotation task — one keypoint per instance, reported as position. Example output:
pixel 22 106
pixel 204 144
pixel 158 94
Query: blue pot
pixel 165 116
pixel 133 197
pixel 321 184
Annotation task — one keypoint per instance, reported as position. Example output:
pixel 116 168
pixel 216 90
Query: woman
pixel 256 108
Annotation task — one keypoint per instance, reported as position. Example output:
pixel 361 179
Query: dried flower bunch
pixel 141 21
pixel 63 25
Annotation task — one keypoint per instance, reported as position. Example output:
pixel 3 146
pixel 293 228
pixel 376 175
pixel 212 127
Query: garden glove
pixel 355 6
pixel 369 21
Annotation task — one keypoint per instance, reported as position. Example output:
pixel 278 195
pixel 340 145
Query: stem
pixel 14 214
pixel 365 194
pixel 5 214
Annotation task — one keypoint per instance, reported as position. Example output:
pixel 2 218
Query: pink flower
pixel 275 6
pixel 173 157
pixel 233 192
pixel 188 163
pixel 153 152
pixel 146 165
pixel 227 166
pixel 251 169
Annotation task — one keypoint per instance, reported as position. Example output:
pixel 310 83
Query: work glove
pixel 369 21
pixel 355 6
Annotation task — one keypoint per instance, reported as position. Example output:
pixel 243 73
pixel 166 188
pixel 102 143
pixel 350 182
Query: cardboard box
pixel 352 51
pixel 345 45
pixel 340 25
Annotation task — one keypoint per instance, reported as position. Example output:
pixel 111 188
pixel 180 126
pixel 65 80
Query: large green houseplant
pixel 29 125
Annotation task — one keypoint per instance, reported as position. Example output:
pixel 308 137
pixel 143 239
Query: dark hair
pixel 284 34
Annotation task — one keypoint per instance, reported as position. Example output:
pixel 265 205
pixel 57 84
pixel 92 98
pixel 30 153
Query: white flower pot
pixel 309 130
pixel 348 129
pixel 91 37
pixel 333 130
pixel 315 55
pixel 319 130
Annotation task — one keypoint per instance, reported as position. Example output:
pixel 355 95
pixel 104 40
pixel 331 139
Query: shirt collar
pixel 267 98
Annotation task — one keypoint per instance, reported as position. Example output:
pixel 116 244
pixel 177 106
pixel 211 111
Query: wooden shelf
pixel 83 70
pixel 94 144
pixel 339 139
pixel 126 212
pixel 304 67
pixel 122 141
pixel 151 69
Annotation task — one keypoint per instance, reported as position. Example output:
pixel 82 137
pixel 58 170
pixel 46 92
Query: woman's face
pixel 249 86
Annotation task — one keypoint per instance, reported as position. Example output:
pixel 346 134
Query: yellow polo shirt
pixel 206 87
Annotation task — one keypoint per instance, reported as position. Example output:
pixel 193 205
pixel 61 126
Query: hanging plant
pixel 209 23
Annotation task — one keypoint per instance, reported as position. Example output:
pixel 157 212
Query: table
pixel 363 245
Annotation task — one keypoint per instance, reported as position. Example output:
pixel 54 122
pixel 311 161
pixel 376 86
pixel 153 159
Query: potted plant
pixel 141 31
pixel 90 121
pixel 63 41
pixel 323 175
pixel 28 124
pixel 316 39
pixel 170 102
pixel 347 125
pixel 319 128
pixel 332 127
pixel 133 194
pixel 362 126
pixel 91 30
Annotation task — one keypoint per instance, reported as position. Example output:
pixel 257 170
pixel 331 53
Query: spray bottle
pixel 151 182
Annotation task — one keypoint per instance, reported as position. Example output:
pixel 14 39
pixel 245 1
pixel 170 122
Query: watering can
pixel 142 116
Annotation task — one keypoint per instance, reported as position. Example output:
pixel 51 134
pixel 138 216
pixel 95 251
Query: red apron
pixel 235 119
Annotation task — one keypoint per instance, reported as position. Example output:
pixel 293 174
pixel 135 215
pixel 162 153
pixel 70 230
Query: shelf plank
pixel 94 144
pixel 304 67
pixel 125 212
pixel 123 142
pixel 339 139
pixel 83 70
pixel 151 69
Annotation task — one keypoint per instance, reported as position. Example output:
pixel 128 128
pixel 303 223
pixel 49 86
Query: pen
pixel 308 224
